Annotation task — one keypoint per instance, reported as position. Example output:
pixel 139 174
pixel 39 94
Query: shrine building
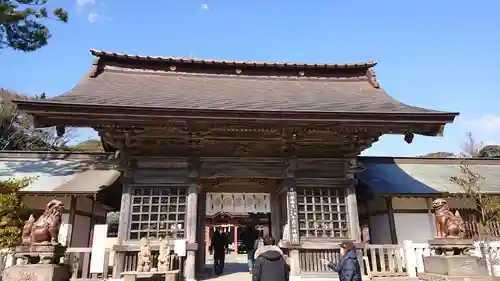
pixel 210 142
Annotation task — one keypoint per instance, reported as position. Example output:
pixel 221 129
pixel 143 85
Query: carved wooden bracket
pixel 217 181
pixel 261 182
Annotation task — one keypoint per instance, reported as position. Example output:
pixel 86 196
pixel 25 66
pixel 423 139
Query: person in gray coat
pixel 270 264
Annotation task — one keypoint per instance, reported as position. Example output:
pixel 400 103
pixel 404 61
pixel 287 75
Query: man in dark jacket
pixel 218 246
pixel 249 238
pixel 270 264
pixel 348 267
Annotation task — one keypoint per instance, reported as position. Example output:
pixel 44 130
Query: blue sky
pixel 442 54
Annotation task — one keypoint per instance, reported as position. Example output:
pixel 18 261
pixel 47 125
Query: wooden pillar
pixel 200 232
pixel 190 225
pixel 392 224
pixel 207 239
pixel 352 167
pixel 368 211
pixel 71 220
pixel 428 202
pixel 276 223
pixel 294 265
pixel 235 238
pixel 352 213
pixel 93 222
pixel 123 226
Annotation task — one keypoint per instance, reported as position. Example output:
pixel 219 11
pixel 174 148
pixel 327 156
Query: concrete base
pixel 453 242
pixel 455 266
pixel 440 277
pixel 37 272
pixel 451 246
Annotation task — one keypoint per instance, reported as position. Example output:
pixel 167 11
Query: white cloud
pixel 82 3
pixel 93 17
pixel 485 129
pixel 205 7
pixel 487 124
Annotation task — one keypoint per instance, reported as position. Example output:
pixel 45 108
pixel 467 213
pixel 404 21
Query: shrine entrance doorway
pixel 238 216
pixel 236 205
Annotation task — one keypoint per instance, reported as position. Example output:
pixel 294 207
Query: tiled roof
pixel 63 173
pixel 424 176
pixel 100 53
pixel 174 83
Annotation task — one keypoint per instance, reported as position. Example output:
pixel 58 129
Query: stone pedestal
pixel 453 262
pixel 40 253
pixel 451 246
pixel 37 272
pixel 456 265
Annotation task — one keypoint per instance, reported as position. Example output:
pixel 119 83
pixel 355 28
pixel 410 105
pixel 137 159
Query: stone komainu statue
pixel 46 228
pixel 448 225
pixel 144 256
pixel 164 255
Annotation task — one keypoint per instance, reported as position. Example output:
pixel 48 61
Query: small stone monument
pixel 40 251
pixel 451 259
pixel 144 256
pixel 164 255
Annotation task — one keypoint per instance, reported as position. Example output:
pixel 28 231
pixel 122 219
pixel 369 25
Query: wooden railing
pixel 375 260
pixel 130 263
pixel 472 229
pixel 125 259
pixel 79 260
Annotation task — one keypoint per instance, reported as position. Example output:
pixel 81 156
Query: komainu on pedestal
pixel 40 251
pixel 144 256
pixel 451 257
pixel 164 257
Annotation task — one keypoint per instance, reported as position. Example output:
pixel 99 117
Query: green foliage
pixel 11 211
pixel 490 151
pixel 17 131
pixel 21 26
pixel 470 149
pixel 87 146
pixel 487 206
pixel 439 155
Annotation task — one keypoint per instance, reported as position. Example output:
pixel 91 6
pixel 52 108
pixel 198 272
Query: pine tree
pixel 21 26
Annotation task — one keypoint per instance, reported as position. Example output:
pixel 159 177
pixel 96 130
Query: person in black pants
pixel 249 238
pixel 219 249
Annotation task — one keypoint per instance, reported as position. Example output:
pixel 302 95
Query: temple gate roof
pixel 155 85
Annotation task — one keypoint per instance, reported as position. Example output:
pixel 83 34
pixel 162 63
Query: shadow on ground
pixel 232 271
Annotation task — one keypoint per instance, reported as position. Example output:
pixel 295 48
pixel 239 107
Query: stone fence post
pixel 410 259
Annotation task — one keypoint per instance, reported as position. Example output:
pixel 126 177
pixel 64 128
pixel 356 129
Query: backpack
pixel 258 243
